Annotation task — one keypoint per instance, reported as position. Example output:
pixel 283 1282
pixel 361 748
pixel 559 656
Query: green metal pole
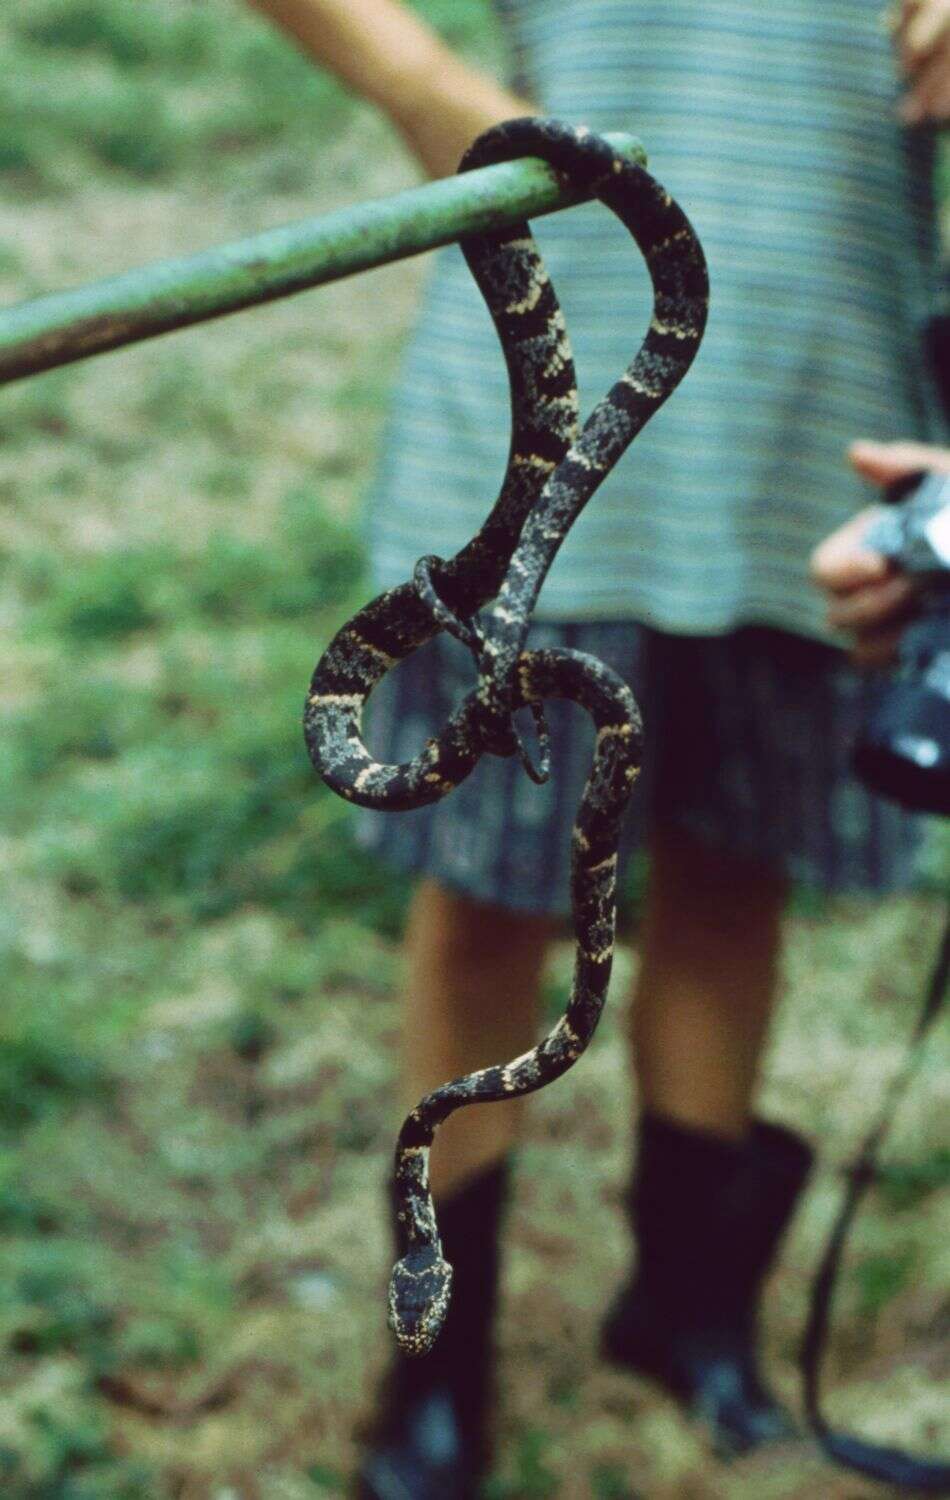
pixel 67 326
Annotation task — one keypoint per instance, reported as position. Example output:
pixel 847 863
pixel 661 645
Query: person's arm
pixel 383 51
pixel 868 597
pixel 922 38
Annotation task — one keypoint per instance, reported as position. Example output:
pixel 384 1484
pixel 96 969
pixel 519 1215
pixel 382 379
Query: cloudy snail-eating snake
pixel 553 469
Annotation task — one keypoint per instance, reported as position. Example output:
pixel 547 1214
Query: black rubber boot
pixel 429 1440
pixel 708 1215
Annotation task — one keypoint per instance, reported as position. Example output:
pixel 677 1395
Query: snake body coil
pixel 553 469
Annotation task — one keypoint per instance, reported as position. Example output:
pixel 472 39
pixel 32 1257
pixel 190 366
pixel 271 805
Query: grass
pixel 196 1100
pixel 150 92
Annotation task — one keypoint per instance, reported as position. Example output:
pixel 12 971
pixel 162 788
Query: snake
pixel 484 597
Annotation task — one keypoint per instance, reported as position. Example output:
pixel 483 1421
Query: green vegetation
pixel 198 961
pixel 154 91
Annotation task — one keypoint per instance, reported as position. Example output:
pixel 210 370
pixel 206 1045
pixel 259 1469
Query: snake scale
pixel 553 469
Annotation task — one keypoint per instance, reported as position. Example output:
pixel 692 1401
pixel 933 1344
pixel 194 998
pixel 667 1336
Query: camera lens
pixel 904 752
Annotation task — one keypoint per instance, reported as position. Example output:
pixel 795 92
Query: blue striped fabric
pixel 774 125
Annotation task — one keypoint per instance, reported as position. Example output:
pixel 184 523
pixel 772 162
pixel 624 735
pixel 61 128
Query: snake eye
pixel 419 1294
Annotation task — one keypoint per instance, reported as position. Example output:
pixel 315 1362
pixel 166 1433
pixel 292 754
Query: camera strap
pixel 889 1465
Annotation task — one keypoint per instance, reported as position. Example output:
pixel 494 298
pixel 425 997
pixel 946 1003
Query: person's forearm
pixel 378 48
pixel 384 52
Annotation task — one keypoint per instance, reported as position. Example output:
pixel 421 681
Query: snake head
pixel 419 1294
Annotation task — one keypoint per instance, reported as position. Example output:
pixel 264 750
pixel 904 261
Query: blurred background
pixel 199 966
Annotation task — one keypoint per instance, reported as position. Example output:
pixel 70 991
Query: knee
pixel 473 936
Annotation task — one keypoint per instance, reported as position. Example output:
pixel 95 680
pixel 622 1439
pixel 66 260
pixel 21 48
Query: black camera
pixel 904 749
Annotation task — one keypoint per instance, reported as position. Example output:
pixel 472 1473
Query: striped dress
pixel 774 126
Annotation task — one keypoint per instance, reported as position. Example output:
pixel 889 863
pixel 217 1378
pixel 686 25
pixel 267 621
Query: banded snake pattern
pixel 484 596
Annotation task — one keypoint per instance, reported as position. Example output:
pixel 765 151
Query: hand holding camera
pixel 888 574
pixel 870 596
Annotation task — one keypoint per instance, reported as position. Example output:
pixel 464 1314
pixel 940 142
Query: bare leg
pixel 704 993
pixel 472 974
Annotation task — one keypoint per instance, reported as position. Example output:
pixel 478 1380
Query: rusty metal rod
pixel 67 326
